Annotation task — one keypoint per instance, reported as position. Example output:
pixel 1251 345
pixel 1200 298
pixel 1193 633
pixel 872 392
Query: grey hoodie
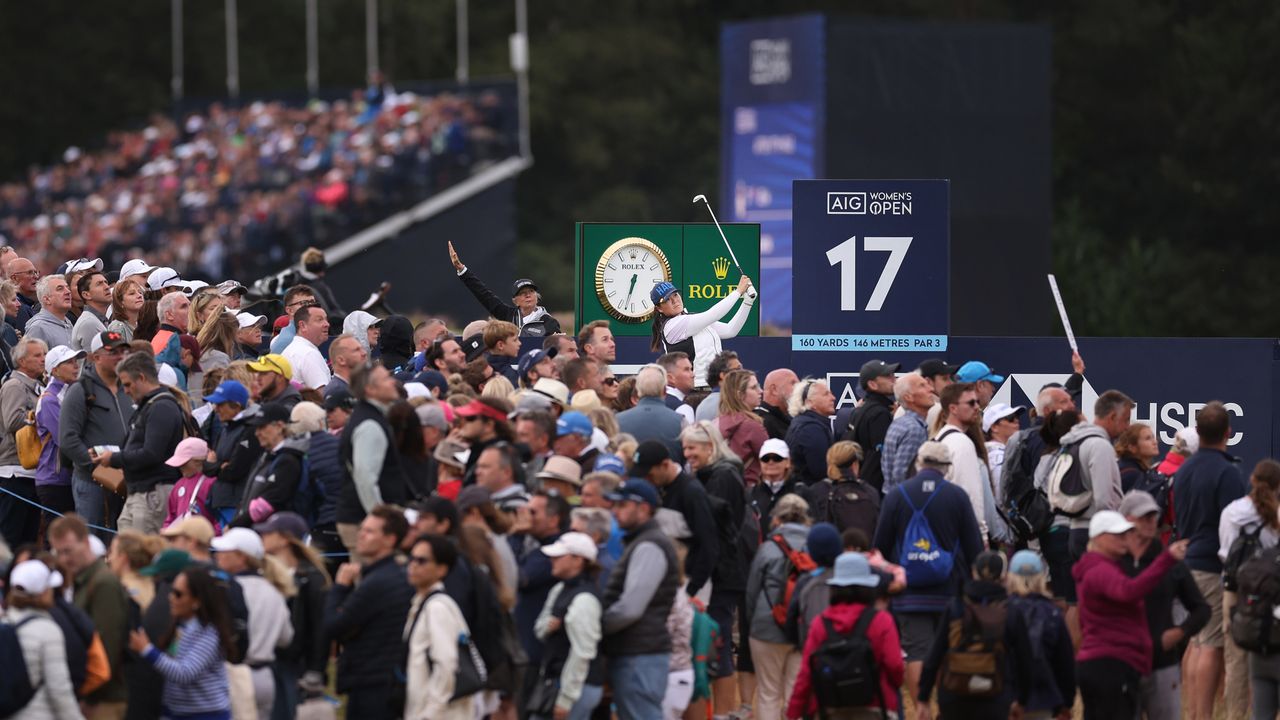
pixel 83 425
pixel 767 582
pixel 46 326
pixel 1101 472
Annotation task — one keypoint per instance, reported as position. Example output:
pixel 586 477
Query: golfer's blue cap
pixel 661 291
pixel 974 370
pixel 636 490
pixel 229 391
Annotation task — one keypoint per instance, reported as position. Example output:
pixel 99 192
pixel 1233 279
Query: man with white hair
pixel 51 324
pixel 651 419
pixel 915 395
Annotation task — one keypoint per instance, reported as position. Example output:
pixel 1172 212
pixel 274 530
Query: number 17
pixel 845 255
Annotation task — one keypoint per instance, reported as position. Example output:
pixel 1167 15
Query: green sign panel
pixel 617 265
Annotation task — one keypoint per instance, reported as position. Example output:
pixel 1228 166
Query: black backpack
pixel 1253 623
pixel 16 689
pixel 843 668
pixel 1025 506
pixel 852 503
pixel 1157 485
pixel 1243 548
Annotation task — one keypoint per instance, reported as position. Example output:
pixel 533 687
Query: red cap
pixel 475 407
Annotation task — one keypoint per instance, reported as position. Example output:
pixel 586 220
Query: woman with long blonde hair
pixel 217 340
pixel 204 307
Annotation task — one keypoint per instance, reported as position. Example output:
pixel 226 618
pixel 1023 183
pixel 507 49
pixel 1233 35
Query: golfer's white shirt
pixel 309 366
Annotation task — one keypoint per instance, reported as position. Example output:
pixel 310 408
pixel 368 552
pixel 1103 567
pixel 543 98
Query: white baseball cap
pixel 164 277
pixel 75 266
pixel 241 539
pixel 33 577
pixel 996 412
pixel 247 320
pixel 775 446
pixel 572 543
pixel 1108 522
pixel 191 287
pixel 60 354
pixel 135 267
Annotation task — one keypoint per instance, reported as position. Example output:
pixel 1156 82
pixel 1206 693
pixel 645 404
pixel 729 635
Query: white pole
pixel 371 37
pixel 313 50
pixel 233 52
pixel 175 82
pixel 464 49
pixel 520 63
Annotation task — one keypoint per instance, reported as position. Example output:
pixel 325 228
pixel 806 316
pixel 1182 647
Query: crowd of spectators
pixel 233 192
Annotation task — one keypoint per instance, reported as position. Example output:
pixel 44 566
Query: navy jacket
pixel 155 429
pixel 1205 484
pixel 368 620
pixel 536 582
pixel 809 438
pixel 950 517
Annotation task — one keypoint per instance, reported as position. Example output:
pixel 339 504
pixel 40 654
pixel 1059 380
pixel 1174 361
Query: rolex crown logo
pixel 633 254
pixel 721 267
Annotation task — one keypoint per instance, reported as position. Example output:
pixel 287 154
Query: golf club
pixel 751 291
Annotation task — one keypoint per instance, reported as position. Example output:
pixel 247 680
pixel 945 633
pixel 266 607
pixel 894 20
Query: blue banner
pixel 871 260
pixel 772 89
pixel 1169 379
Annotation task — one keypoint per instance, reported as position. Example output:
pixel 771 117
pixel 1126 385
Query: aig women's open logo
pixel 869 203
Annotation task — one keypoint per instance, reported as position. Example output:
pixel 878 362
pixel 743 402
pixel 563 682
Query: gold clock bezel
pixel 603 263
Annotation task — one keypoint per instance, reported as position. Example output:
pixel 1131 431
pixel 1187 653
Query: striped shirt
pixel 195 678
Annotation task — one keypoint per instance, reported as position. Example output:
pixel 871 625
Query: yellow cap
pixel 273 363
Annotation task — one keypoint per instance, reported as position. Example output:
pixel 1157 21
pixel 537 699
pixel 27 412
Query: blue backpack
pixel 15 682
pixel 925 561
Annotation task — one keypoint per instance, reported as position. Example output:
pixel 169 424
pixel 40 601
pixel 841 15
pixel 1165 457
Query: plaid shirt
pixel 901 443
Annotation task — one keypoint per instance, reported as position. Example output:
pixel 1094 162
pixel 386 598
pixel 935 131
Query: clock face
pixel 627 271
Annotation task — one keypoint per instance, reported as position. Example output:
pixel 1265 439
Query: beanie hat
pixel 824 544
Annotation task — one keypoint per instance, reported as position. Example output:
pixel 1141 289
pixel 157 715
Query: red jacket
pixel 883 634
pixel 1113 616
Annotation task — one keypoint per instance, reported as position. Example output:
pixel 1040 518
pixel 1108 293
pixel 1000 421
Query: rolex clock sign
pixel 618 264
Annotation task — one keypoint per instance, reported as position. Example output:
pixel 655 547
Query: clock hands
pixel 631 289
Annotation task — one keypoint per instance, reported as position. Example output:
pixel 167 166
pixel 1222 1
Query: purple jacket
pixel 50 470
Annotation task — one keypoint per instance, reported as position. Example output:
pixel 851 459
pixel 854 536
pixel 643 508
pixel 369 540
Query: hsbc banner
pixel 870 259
pixel 1170 379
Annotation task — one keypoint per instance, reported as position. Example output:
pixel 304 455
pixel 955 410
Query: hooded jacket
pixel 273 483
pixel 885 645
pixel 1112 609
pixel 395 342
pixel 767 583
pixel 539 323
pixel 745 437
pixel 1099 467
pixel 47 327
pixel 237 449
pixel 92 415
pixel 357 325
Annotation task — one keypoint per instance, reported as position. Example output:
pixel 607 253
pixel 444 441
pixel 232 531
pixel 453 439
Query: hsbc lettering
pixel 1166 419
